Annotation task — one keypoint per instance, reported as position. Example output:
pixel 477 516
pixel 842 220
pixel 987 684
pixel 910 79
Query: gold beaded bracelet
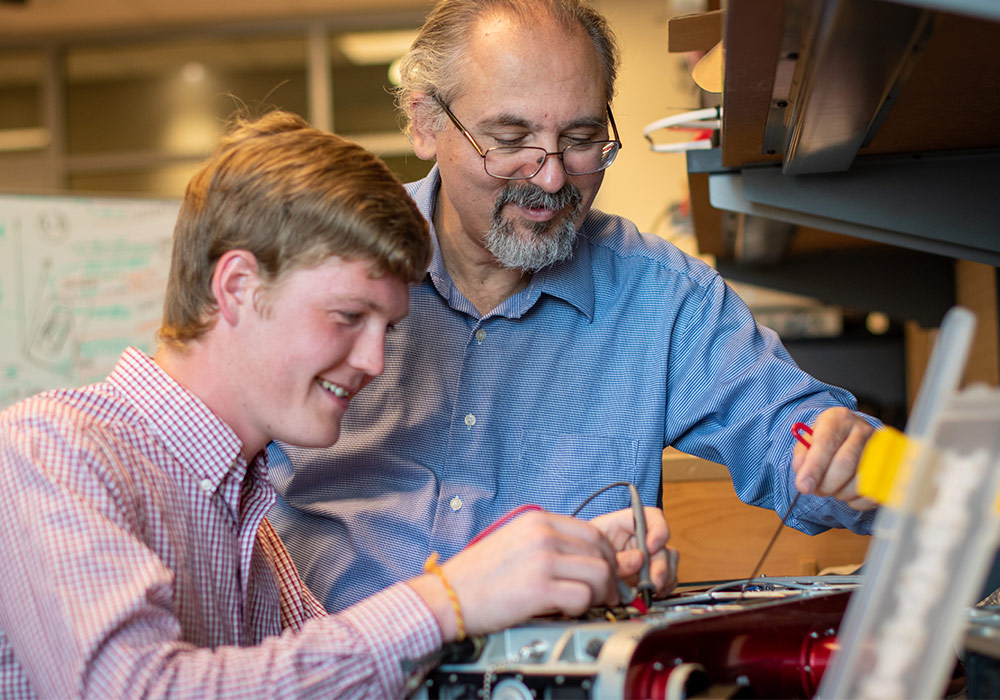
pixel 432 567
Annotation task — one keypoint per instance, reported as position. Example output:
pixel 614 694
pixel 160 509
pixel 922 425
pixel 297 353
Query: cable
pixel 708 119
pixel 597 493
pixel 682 146
pixel 500 521
pixel 644 589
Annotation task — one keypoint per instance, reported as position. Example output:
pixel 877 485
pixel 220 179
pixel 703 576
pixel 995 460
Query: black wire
pixel 597 493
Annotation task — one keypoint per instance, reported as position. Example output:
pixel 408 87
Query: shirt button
pixel 456 503
pixel 207 486
pixel 470 420
pixel 481 335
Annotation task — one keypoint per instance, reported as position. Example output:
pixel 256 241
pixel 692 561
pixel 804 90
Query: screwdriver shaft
pixel 767 550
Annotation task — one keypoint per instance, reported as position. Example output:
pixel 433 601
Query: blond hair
pixel 292 196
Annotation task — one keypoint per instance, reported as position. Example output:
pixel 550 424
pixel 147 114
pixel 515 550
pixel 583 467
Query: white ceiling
pixel 66 18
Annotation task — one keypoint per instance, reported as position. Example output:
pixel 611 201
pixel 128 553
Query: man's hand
pixel 619 528
pixel 829 466
pixel 538 563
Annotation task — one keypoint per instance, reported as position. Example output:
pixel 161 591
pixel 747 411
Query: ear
pixel 234 282
pixel 424 137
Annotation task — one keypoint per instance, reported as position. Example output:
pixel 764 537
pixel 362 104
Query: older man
pixel 551 349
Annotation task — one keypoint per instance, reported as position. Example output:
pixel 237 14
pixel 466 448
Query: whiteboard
pixel 81 278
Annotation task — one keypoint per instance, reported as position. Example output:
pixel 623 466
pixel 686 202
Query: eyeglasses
pixel 523 162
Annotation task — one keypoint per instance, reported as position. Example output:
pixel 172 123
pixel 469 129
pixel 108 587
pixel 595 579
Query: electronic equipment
pixel 773 640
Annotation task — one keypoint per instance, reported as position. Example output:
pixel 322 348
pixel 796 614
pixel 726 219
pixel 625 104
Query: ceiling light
pixel 374 48
pixel 28 139
pixel 193 72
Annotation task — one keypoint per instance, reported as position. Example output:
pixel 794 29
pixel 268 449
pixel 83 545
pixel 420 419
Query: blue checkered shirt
pixel 577 381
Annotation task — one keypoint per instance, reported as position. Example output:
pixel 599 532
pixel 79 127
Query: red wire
pixel 517 511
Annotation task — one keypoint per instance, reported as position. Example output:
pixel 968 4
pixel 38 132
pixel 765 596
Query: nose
pixel 552 176
pixel 368 353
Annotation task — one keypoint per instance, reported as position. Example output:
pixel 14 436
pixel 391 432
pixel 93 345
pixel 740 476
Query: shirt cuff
pixel 397 625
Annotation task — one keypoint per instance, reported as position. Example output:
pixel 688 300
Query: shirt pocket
pixel 558 471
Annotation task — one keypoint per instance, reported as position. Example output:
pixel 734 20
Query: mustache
pixel 532 196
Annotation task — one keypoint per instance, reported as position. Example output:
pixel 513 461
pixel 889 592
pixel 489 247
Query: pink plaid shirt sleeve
pixel 137 561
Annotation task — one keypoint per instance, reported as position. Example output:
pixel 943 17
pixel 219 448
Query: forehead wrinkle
pixel 507 119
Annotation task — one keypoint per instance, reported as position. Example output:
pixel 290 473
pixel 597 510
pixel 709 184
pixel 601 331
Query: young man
pixel 137 557
pixel 554 349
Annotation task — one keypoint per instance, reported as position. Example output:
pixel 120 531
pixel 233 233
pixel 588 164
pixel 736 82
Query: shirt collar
pixel 424 193
pixel 571 280
pixel 196 437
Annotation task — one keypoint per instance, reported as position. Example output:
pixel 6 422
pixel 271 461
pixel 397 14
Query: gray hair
pixel 435 62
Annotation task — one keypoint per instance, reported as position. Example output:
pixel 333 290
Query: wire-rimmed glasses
pixel 524 162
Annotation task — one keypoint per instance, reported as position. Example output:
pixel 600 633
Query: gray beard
pixel 548 242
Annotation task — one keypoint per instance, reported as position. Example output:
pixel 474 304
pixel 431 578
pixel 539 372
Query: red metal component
pixel 649 681
pixel 663 682
pixel 780 650
pixel 816 653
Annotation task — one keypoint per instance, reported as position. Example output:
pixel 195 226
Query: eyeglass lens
pixel 525 161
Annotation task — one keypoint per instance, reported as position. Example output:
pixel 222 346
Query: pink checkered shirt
pixel 137 561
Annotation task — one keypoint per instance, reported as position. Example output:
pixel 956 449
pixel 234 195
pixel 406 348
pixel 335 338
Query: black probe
pixel 644 588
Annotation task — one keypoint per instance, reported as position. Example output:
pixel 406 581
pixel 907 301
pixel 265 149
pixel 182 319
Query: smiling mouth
pixel 334 389
pixel 539 213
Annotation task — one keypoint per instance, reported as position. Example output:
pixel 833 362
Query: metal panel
pixel 853 56
pixel 945 205
pixel 984 9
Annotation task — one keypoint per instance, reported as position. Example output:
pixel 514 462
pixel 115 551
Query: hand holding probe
pixel 643 591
